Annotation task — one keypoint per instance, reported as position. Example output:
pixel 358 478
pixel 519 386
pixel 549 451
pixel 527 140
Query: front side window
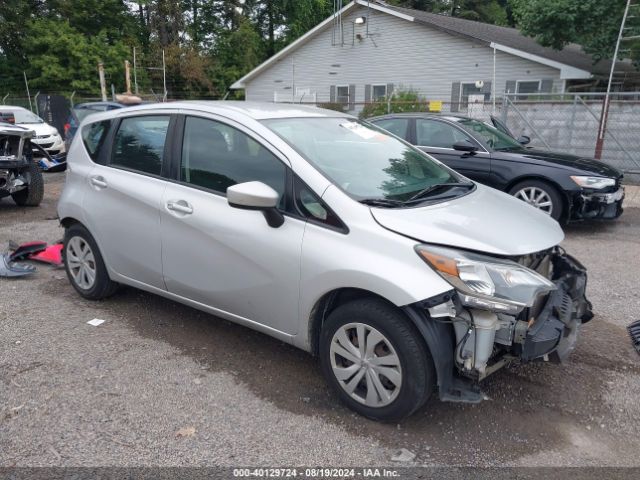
pixel 489 136
pixel 216 156
pixel 379 92
pixel 397 126
pixel 93 137
pixel 363 160
pixel 139 143
pixel 342 94
pixel 433 133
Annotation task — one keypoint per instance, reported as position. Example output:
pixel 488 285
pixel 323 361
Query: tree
pixel 594 24
pixel 62 59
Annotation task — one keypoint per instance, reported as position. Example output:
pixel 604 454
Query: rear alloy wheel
pixel 375 360
pixel 85 268
pixel 541 196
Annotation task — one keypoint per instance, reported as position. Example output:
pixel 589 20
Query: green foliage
pixel 401 101
pixel 63 59
pixel 338 107
pixel 594 24
pixel 488 11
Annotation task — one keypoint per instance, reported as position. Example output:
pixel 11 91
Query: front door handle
pixel 180 206
pixel 99 182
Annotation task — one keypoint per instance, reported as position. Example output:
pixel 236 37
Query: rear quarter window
pixel 93 137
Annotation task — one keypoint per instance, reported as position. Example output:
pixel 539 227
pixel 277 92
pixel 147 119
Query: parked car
pixel 80 111
pixel 327 233
pixel 20 177
pixel 564 186
pixel 46 136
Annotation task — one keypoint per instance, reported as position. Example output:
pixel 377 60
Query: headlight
pixel 596 183
pixel 486 282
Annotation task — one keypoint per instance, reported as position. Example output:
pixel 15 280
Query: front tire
pixel 84 264
pixel 540 195
pixel 33 194
pixel 375 360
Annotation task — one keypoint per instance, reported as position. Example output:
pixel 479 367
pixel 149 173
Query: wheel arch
pixel 566 200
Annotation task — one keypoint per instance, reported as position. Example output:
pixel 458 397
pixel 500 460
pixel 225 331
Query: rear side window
pixel 93 137
pixel 397 126
pixel 139 143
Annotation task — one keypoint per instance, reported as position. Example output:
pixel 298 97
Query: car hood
pixel 485 220
pixel 566 160
pixel 39 128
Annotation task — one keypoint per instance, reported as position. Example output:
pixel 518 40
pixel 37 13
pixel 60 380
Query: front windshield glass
pixel 25 116
pixel 489 136
pixel 363 160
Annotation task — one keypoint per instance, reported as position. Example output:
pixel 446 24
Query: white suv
pixel 403 276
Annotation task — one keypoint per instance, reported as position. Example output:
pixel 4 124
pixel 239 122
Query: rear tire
pixel 540 195
pixel 33 194
pixel 391 375
pixel 84 264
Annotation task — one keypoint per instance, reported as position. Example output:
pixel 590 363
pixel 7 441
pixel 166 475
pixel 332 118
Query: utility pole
pixel 103 84
pixel 602 129
pixel 135 76
pixel 164 78
pixel 28 94
pixel 127 76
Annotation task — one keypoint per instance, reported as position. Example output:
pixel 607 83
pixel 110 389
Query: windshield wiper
pixel 382 202
pixel 437 186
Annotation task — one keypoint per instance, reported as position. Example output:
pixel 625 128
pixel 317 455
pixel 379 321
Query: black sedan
pixel 567 187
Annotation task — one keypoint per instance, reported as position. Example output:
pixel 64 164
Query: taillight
pixel 67 127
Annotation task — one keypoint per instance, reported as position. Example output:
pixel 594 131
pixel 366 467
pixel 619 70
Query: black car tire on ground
pixel 32 195
pixel 558 207
pixel 418 371
pixel 103 286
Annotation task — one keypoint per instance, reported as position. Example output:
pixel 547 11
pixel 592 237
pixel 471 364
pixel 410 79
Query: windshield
pixel 489 136
pixel 24 116
pixel 362 159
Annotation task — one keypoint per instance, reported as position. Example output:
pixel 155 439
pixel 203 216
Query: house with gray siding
pixel 369 49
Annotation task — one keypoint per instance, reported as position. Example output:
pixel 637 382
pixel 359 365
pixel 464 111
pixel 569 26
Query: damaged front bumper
pixel 553 333
pixel 482 341
pixel 597 205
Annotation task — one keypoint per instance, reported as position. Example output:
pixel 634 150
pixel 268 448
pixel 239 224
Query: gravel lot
pixel 118 394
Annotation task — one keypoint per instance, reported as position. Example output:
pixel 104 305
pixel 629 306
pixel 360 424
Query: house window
pixel 342 94
pixel 527 86
pixel 378 92
pixel 467 89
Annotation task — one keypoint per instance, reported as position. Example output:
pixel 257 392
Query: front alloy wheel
pixel 541 195
pixel 536 197
pixel 375 359
pixel 366 365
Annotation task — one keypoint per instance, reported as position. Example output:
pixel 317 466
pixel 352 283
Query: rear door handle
pixel 98 182
pixel 180 206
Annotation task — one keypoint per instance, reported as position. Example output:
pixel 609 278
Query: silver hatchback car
pixel 401 275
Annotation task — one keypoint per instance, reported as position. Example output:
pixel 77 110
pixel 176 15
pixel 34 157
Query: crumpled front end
pixel 598 205
pixel 548 329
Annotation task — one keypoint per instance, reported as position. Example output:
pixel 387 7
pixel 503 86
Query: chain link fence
pixel 566 123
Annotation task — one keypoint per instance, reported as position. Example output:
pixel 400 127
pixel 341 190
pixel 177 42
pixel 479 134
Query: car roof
pixel 11 107
pixel 98 104
pixel 255 110
pixel 445 116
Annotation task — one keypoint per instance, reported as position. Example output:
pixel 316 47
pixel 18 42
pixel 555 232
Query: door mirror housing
pixel 524 140
pixel 465 146
pixel 256 196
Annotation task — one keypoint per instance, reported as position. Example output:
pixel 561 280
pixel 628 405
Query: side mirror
pixel 524 140
pixel 465 146
pixel 256 196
